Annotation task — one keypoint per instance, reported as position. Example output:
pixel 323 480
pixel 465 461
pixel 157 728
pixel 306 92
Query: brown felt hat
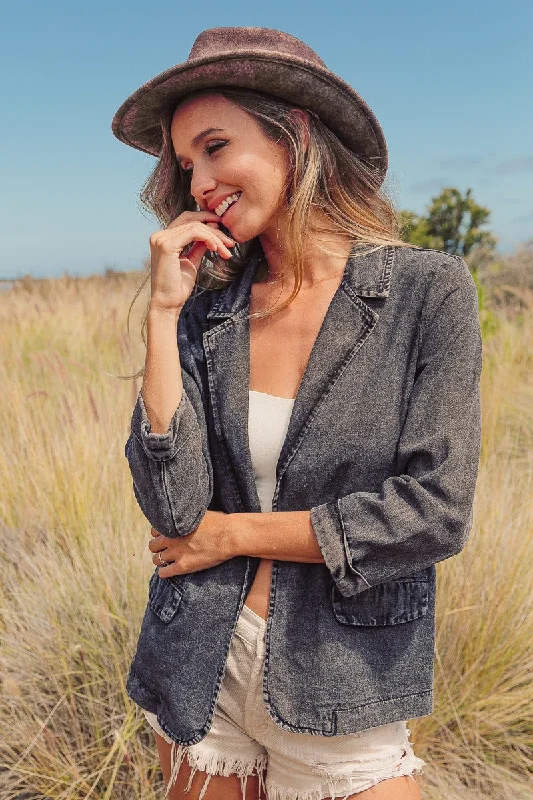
pixel 268 61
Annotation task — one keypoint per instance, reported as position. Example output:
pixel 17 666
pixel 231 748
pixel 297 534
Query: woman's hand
pixel 207 546
pixel 173 276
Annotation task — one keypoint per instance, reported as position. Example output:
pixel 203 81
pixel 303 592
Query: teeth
pixel 225 204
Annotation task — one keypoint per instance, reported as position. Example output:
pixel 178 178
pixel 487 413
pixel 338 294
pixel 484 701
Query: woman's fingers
pixel 156 544
pixel 176 239
pixel 207 217
pixel 202 216
pixel 189 231
pixel 176 254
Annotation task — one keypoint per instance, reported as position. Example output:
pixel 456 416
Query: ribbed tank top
pixel 268 420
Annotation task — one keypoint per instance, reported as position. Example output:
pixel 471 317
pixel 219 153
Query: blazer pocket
pixel 164 597
pixel 390 603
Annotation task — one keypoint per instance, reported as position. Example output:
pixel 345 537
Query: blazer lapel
pixel 347 324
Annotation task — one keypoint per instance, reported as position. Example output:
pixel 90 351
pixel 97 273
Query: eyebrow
pixel 198 138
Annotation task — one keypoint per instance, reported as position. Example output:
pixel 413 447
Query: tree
pixel 453 224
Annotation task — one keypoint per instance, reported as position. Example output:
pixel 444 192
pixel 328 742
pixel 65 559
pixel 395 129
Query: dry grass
pixel 74 563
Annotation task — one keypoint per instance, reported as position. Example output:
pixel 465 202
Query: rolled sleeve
pixel 424 513
pixel 164 446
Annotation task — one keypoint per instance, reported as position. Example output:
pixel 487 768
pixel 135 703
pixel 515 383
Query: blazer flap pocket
pixel 390 603
pixel 163 597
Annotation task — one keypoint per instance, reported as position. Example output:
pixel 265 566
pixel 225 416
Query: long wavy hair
pixel 329 190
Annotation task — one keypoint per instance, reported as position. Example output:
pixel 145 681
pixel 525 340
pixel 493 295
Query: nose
pixel 202 185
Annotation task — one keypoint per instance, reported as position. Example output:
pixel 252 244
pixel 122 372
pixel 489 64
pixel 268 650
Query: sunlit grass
pixel 74 564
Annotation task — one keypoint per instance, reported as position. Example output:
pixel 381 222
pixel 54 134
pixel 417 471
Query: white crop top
pixel 268 420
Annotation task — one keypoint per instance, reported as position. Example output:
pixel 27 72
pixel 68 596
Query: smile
pixel 225 204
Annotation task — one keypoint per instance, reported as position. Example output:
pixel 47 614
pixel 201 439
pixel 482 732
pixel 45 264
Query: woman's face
pixel 237 157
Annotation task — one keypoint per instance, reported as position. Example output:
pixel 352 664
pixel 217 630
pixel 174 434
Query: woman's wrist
pixel 232 535
pixel 160 312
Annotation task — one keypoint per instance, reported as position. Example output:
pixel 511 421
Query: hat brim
pixel 136 123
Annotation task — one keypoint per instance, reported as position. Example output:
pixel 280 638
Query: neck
pixel 324 259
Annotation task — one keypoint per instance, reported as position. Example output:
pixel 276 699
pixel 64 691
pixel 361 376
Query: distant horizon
pixel 101 274
pixel 448 84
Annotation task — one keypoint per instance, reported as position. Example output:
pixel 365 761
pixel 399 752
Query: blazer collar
pixel 366 275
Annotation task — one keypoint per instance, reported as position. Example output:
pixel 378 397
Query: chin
pixel 239 238
pixel 242 230
pixel 229 232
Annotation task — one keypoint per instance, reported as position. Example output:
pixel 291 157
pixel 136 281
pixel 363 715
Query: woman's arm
pixel 162 387
pixel 280 535
pixel 174 500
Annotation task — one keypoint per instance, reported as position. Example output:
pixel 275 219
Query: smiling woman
pixel 304 465
pixel 330 190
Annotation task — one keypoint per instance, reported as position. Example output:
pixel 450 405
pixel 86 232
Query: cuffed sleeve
pixel 424 513
pixel 164 446
pixel 172 472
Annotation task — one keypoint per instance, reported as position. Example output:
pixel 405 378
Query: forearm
pixel 162 387
pixel 279 535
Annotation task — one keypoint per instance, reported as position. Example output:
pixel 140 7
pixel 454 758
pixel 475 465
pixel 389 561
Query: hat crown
pixel 263 60
pixel 216 42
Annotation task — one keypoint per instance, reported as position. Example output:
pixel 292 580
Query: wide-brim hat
pixel 268 61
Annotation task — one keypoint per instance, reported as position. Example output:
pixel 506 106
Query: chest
pixel 281 344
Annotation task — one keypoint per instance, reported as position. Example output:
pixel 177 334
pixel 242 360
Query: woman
pixel 282 653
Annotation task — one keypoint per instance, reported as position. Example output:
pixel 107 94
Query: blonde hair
pixel 323 176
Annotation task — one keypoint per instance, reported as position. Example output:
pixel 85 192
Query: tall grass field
pixel 74 558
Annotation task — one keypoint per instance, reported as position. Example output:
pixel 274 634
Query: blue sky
pixel 451 84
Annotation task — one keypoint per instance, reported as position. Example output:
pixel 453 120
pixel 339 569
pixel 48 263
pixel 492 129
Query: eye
pixel 210 148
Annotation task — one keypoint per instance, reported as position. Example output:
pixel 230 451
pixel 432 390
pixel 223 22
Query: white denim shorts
pixel 244 740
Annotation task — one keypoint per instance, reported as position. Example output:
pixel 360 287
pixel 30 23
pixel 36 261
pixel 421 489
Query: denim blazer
pixel 382 447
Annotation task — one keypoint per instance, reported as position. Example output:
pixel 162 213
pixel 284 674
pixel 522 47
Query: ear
pixel 303 120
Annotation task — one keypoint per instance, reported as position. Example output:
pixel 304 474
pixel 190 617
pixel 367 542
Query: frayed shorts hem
pixel 212 763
